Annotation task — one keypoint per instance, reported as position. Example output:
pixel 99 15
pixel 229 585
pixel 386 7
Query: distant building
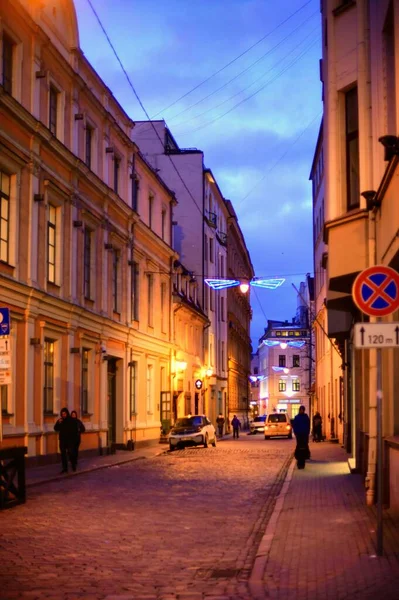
pixel 286 362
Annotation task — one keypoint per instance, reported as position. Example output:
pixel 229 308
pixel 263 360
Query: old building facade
pixel 85 262
pixel 360 90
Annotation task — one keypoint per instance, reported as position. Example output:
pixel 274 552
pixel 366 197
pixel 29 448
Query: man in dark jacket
pixel 301 427
pixel 68 435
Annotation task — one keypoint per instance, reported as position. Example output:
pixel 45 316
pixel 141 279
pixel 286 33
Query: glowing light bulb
pixel 283 345
pixel 286 370
pixel 244 287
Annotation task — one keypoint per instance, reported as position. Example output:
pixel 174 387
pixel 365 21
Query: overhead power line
pixel 232 61
pixel 140 102
pixel 251 84
pixel 244 70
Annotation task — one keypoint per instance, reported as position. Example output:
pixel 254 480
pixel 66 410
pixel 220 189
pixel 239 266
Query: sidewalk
pixel 40 475
pixel 321 540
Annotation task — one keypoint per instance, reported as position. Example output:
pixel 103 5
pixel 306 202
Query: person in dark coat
pixel 236 424
pixel 68 437
pixel 81 429
pixel 301 427
pixel 220 423
pixel 317 423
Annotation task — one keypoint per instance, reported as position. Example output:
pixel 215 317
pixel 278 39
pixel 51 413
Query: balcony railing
pixel 211 218
pixel 222 237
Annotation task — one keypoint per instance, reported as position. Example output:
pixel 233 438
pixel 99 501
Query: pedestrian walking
pixel 317 426
pixel 67 435
pixel 81 429
pixel 301 427
pixel 220 424
pixel 236 424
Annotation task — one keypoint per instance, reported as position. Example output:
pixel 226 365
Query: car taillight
pixel 266 427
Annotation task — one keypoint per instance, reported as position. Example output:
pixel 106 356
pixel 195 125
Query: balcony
pixel 211 218
pixel 347 239
pixel 222 237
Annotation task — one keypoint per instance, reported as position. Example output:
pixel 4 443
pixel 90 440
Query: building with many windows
pixel 85 245
pixel 359 71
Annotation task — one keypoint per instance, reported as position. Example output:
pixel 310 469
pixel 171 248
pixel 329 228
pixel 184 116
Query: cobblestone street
pixel 185 524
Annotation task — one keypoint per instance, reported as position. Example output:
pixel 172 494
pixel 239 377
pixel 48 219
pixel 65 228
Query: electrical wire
pixel 232 61
pixel 293 62
pixel 247 69
pixel 140 102
pixel 251 84
pixel 292 144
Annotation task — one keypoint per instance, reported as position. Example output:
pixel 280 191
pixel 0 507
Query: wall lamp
pixel 391 145
pixel 371 199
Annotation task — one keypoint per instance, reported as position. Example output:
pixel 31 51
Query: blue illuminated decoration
pixel 221 284
pixel 255 378
pixel 293 344
pixel 269 284
pixel 296 344
pixel 280 369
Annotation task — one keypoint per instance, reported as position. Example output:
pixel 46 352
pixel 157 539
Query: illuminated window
pixel 296 385
pixel 48 389
pixel 282 385
pixel 4 217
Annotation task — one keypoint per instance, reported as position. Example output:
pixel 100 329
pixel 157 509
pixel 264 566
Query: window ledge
pixel 343 7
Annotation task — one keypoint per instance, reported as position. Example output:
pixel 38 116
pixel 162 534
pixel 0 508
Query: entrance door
pixel 111 401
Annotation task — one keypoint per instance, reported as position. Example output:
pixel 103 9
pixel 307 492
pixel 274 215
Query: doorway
pixel 111 372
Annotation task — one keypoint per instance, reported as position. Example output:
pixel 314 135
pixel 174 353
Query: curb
pixel 89 470
pixel 255 582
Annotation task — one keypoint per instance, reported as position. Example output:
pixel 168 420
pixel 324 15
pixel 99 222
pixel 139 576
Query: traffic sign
pixel 376 335
pixel 4 321
pixel 375 291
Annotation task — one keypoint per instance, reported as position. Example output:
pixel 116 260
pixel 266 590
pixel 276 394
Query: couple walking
pixel 69 429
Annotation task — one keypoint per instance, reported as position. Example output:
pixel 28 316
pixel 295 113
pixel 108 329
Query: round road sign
pixel 375 291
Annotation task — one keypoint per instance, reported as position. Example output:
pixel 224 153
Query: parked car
pixel 192 431
pixel 258 424
pixel 278 424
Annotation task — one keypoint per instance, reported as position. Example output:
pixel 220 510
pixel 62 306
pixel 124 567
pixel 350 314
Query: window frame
pixel 133 366
pixel 53 108
pixel 282 360
pixel 5 200
pixel 296 385
pixel 351 136
pixel 7 59
pixel 84 378
pixel 52 232
pixel 282 385
pixel 296 360
pixel 48 376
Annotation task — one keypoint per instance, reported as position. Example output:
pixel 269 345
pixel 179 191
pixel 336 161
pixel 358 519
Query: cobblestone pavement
pixel 184 525
pixel 324 543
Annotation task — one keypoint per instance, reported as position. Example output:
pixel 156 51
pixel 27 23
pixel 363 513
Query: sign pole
pixel 380 550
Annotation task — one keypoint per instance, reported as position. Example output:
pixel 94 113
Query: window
pixel 48 390
pixel 296 385
pixel 8 51
pixel 87 256
pixel 211 250
pixel 115 281
pixel 135 192
pixel 150 209
pixel 149 389
pixel 352 149
pixel 222 309
pixel 117 164
pixel 150 299
pixel 281 360
pixel 163 307
pixel 133 387
pixel 4 217
pixel 295 360
pixel 84 400
pixel 282 385
pixel 206 249
pixel 51 243
pixel 134 284
pixel 88 145
pixel 53 109
pixel 163 224
pixel 4 398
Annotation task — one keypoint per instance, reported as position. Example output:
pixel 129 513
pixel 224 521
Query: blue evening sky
pixel 256 120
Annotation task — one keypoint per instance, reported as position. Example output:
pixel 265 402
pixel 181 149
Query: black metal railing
pixel 12 476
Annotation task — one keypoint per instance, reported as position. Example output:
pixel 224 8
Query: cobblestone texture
pixel 184 525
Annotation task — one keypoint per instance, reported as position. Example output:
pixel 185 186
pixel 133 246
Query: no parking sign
pixel 375 291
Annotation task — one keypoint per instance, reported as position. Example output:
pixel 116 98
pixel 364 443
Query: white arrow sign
pixel 376 335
